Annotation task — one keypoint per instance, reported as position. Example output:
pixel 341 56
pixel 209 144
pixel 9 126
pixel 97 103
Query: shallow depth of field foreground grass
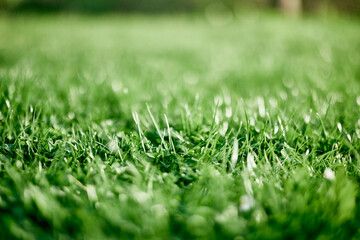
pixel 138 127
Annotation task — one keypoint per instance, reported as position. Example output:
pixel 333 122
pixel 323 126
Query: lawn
pixel 177 127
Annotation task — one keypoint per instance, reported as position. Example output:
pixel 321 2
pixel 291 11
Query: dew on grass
pixel 339 127
pixel 217 117
pixel 276 129
pixel 228 112
pixel 7 102
pixel 113 145
pixel 19 164
pixel 248 185
pixel 348 137
pixel 261 106
pixel 91 192
pixel 329 174
pixel 252 121
pixel 224 128
pixel 71 115
pixel 235 154
pixel 259 182
pixel 251 165
pixel 247 202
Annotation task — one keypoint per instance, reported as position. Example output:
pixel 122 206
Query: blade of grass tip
pixel 261 106
pixel 169 133
pixel 266 158
pixel 206 148
pixel 214 116
pixel 235 154
pixel 184 122
pixel 187 118
pixel 77 182
pixel 213 147
pixel 137 121
pixel 251 165
pixel 281 126
pixel 324 132
pixel 247 135
pixel 114 147
pixel 239 129
pixel 157 128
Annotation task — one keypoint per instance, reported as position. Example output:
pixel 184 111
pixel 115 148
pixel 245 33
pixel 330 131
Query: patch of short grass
pixel 167 127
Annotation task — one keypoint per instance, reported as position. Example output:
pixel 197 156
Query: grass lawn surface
pixel 177 127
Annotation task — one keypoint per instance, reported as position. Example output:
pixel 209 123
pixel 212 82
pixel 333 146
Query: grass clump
pixel 171 128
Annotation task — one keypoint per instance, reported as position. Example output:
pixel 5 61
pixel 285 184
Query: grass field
pixel 169 127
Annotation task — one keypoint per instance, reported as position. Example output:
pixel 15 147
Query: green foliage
pixel 161 6
pixel 179 128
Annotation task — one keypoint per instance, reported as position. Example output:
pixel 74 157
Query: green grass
pixel 165 127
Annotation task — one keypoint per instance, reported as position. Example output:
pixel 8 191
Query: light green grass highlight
pixel 167 127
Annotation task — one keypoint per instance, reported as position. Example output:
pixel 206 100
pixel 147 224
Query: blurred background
pixel 293 7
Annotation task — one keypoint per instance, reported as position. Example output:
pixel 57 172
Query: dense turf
pixel 173 128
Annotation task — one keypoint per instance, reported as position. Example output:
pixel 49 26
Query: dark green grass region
pixel 133 127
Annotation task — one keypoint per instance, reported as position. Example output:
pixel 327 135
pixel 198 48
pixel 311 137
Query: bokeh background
pixel 163 6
